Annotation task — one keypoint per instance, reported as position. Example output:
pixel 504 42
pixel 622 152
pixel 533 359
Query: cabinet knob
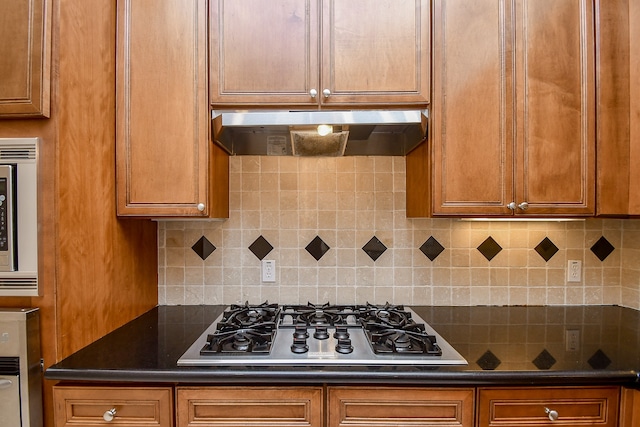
pixel 109 415
pixel 201 207
pixel 326 93
pixel 553 415
pixel 524 206
pixel 313 93
pixel 512 206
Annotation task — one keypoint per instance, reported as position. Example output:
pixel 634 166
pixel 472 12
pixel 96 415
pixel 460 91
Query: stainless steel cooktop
pixel 312 335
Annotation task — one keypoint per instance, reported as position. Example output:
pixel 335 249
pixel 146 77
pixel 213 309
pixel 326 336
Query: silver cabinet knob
pixel 109 415
pixel 326 93
pixel 553 415
pixel 201 207
pixel 524 206
pixel 512 206
pixel 313 93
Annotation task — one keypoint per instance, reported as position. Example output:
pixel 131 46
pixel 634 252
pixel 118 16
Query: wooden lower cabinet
pixel 571 406
pixel 81 406
pixel 255 406
pixel 381 406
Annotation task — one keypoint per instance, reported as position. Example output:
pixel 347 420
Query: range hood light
pixel 324 130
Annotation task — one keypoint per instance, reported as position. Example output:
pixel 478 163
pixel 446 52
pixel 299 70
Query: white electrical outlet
pixel 268 271
pixel 574 270
pixel 572 340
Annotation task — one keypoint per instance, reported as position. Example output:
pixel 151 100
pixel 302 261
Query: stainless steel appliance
pixel 18 217
pixel 20 368
pixel 317 335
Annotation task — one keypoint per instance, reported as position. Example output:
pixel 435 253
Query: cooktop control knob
pixel 301 332
pixel 299 345
pixel 321 333
pixel 344 346
pixel 341 333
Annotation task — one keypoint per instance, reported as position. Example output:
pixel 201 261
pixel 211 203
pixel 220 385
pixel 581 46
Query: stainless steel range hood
pixel 354 133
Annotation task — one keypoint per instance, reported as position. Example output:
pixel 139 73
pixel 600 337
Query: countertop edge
pixel 628 378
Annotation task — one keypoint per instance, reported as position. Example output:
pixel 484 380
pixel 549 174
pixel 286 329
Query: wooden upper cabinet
pixel 319 53
pixel 513 118
pixel 166 165
pixel 25 50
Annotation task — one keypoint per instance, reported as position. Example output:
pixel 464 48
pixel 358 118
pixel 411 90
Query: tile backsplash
pixel 337 231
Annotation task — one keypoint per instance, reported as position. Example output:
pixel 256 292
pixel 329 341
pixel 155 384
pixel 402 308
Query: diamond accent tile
pixel 203 247
pixel 374 248
pixel 599 360
pixel 260 247
pixel 431 248
pixel 488 361
pixel 546 249
pixel 544 360
pixel 489 248
pixel 317 248
pixel 602 248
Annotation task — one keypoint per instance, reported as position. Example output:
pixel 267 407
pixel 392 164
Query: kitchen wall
pixel 280 205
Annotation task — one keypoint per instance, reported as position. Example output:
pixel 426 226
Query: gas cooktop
pixel 315 335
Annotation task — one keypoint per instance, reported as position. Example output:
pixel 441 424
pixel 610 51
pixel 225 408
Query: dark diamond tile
pixel 602 248
pixel 374 248
pixel 203 247
pixel 544 360
pixel 599 360
pixel 546 249
pixel 431 248
pixel 488 361
pixel 317 248
pixel 489 248
pixel 260 247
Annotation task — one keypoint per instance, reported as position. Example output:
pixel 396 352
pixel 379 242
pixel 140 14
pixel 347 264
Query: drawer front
pixel 255 406
pixel 526 407
pixel 134 406
pixel 355 406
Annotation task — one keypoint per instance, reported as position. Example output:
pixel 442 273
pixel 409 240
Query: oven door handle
pixel 5 384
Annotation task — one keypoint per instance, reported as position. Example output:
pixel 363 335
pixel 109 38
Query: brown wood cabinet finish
pixel 256 406
pixel 630 408
pixel 618 76
pixel 25 58
pixel 163 148
pixel 132 406
pixel 364 52
pixel 513 407
pixel 513 116
pixel 364 406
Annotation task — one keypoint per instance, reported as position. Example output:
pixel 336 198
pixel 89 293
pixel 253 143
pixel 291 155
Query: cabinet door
pixel 472 131
pixel 418 407
pixel 264 52
pixel 375 52
pixel 162 108
pixel 25 47
pixel 555 107
pixel 122 406
pixel 516 407
pixel 255 406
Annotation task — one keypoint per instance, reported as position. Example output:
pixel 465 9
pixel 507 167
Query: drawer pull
pixel 553 415
pixel 109 415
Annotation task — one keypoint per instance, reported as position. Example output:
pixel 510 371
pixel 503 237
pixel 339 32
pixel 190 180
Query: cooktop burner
pixel 313 334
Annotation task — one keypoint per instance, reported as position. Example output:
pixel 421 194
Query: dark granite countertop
pixel 503 345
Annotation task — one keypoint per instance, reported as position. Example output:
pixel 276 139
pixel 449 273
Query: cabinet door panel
pixel 556 113
pixel 472 115
pixel 162 114
pixel 376 51
pixel 256 406
pixel 418 407
pixel 25 49
pixel 263 52
pixel 516 407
